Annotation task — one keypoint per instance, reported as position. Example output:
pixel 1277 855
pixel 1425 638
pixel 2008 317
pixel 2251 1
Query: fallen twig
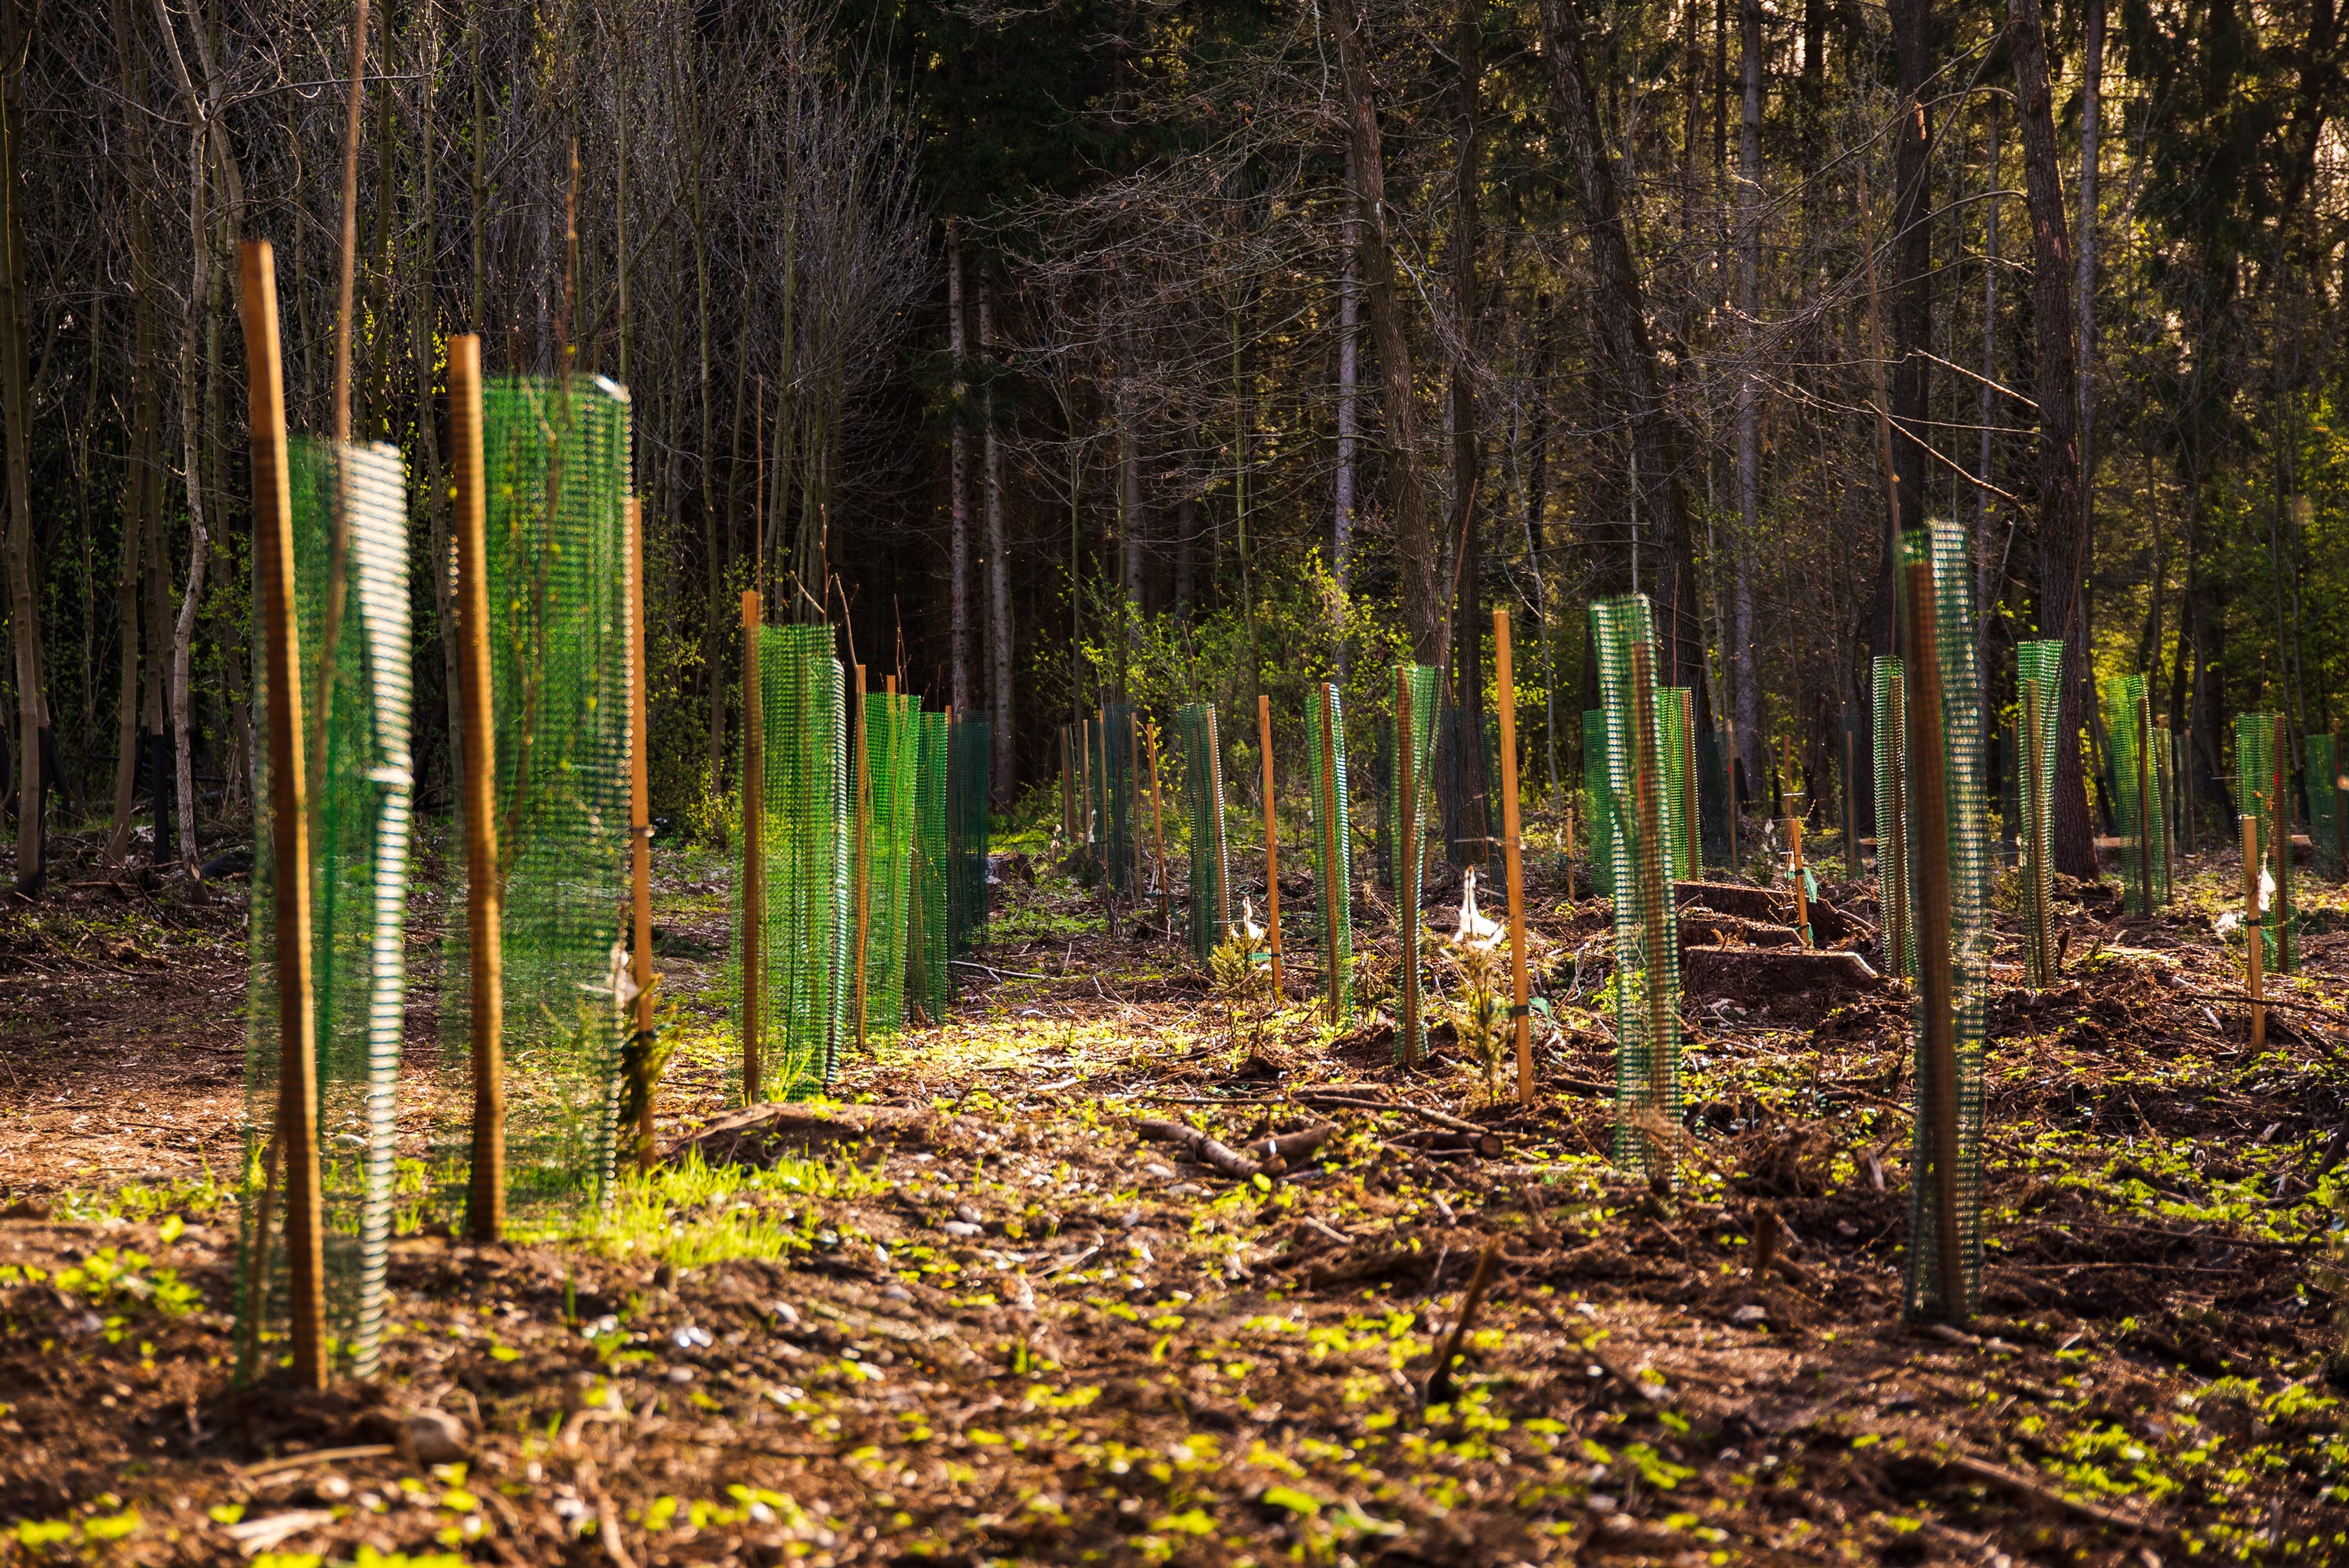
pixel 1438 1382
pixel 1278 1153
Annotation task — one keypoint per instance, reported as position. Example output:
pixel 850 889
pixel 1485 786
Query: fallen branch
pixel 1433 1117
pixel 2026 1486
pixel 1278 1153
pixel 1438 1382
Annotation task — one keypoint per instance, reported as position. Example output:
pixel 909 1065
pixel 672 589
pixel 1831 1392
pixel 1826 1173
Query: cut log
pixel 1770 906
pixel 1763 973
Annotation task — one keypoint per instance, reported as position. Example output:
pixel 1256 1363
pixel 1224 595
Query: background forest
pixel 1202 347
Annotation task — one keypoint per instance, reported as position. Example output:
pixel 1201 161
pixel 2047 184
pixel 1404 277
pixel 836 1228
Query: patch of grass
pixel 692 1214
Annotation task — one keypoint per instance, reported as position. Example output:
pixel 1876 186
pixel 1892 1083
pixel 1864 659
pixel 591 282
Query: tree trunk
pixel 1407 500
pixel 1622 326
pixel 1912 301
pixel 1987 587
pixel 1744 665
pixel 2063 521
pixel 2092 71
pixel 1350 351
pixel 183 629
pixel 998 568
pixel 1467 445
pixel 16 408
pixel 958 488
pixel 140 453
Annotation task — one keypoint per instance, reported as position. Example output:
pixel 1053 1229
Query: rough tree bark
pixel 1407 500
pixel 1746 675
pixel 998 567
pixel 1622 327
pixel 2063 518
pixel 1467 439
pixel 958 486
pixel 1911 291
pixel 15 407
pixel 1350 351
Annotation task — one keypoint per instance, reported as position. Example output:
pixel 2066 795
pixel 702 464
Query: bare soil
pixel 1001 1329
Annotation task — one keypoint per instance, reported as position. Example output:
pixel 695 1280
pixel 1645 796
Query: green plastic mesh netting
pixel 970 745
pixel 1679 774
pixel 2137 795
pixel 1332 851
pixel 2039 674
pixel 1203 799
pixel 2328 824
pixel 2264 793
pixel 1598 789
pixel 557 476
pixel 893 765
pixel 1891 816
pixel 1113 791
pixel 806 877
pixel 1647 927
pixel 359 911
pixel 929 976
pixel 1406 831
pixel 1951 1012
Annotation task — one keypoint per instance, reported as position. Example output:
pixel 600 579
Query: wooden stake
pixel 1692 827
pixel 1936 972
pixel 2253 983
pixel 2278 816
pixel 1802 888
pixel 1271 840
pixel 1068 791
pixel 754 847
pixel 484 885
pixel 1333 889
pixel 1407 866
pixel 1513 858
pixel 1892 891
pixel 289 835
pixel 863 848
pixel 640 818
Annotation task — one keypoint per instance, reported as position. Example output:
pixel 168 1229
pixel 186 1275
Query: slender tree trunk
pixel 1623 331
pixel 1744 665
pixel 1911 289
pixel 1408 507
pixel 2063 521
pixel 958 486
pixel 183 630
pixel 140 450
pixel 1467 443
pixel 998 567
pixel 2092 71
pixel 1349 352
pixel 16 408
pixel 1987 585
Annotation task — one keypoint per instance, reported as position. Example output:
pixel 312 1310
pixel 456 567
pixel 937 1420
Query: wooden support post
pixel 1655 888
pixel 1406 865
pixel 484 883
pixel 1892 891
pixel 754 848
pixel 1513 858
pixel 1068 790
pixel 1936 960
pixel 1692 825
pixel 2280 837
pixel 1802 885
pixel 640 820
pixel 1333 889
pixel 1271 841
pixel 863 849
pixel 289 832
pixel 2253 982
pixel 1158 827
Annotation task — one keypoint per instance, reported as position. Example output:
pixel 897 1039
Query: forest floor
pixel 970 1317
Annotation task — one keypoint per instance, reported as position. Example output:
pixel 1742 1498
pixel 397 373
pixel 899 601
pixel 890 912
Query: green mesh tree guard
pixel 1647 927
pixel 1114 789
pixel 2039 677
pixel 1891 816
pixel 1407 832
pixel 2264 793
pixel 2328 824
pixel 1203 799
pixel 1949 876
pixel 556 476
pixel 806 978
pixel 968 759
pixel 358 913
pixel 1332 852
pixel 929 975
pixel 893 763
pixel 1598 789
pixel 2137 795
pixel 1679 774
